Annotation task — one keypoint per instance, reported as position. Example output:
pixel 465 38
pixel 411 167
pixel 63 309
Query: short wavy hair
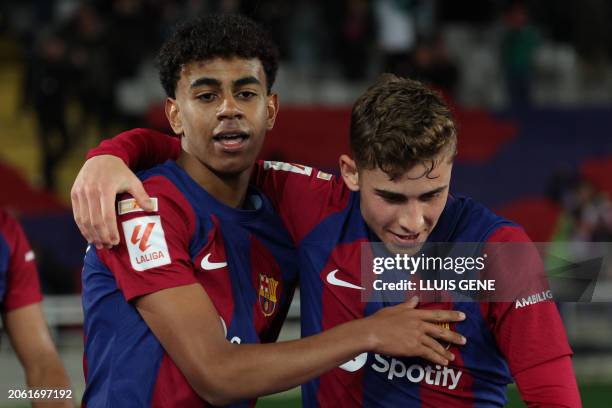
pixel 398 123
pixel 216 36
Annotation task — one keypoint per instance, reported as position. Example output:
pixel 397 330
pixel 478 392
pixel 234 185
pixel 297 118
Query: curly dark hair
pixel 213 36
pixel 398 123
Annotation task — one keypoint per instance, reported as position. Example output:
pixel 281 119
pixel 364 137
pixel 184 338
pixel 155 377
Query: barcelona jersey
pixel 505 340
pixel 324 219
pixel 19 284
pixel 244 259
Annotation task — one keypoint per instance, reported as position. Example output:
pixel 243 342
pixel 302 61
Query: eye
pixel 392 198
pixel 207 97
pixel 430 197
pixel 246 94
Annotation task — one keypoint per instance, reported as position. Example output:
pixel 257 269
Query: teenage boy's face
pixel 404 211
pixel 223 111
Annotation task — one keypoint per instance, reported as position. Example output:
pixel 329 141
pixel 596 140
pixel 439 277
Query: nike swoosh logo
pixel 355 364
pixel 209 266
pixel 332 280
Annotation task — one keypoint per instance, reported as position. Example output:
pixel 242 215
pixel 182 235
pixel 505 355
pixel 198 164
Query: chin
pixel 411 249
pixel 232 167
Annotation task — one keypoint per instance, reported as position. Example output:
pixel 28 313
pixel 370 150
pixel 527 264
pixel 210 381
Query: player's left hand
pixel 93 198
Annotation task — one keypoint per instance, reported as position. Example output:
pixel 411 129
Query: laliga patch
pixel 130 205
pixel 324 176
pixel 146 242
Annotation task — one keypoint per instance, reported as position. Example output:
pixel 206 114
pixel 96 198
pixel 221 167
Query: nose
pixel 229 109
pixel 412 217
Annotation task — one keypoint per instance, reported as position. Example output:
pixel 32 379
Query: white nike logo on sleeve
pixel 332 280
pixel 209 266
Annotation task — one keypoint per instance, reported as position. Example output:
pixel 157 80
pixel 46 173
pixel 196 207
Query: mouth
pixel 405 239
pixel 231 141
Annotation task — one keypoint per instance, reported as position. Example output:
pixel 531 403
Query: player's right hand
pixel 403 330
pixel 93 198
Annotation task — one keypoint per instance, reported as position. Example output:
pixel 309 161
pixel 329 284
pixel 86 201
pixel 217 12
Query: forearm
pixel 549 385
pixel 139 148
pixel 48 373
pixel 186 323
pixel 237 373
pixel 34 347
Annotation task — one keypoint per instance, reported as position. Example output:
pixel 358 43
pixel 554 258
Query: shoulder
pixel 470 221
pixel 172 208
pixel 11 233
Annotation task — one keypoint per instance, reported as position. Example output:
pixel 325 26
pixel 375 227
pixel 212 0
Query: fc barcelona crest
pixel 444 325
pixel 267 294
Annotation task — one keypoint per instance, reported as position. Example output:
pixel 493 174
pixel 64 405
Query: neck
pixel 230 189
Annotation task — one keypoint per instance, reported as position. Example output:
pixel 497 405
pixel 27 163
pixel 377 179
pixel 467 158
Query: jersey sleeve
pixel 530 334
pixel 140 148
pixel 154 250
pixel 537 390
pixel 23 285
pixel 302 195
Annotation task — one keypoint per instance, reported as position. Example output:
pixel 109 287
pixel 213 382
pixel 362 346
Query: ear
pixel 173 115
pixel 272 108
pixel 350 174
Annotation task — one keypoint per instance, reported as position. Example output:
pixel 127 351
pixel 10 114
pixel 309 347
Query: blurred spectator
pixel 356 30
pixel 519 45
pixel 88 53
pixel 433 65
pixel 133 36
pixel 593 33
pixel 587 212
pixel 307 36
pixel 46 89
pixel 396 32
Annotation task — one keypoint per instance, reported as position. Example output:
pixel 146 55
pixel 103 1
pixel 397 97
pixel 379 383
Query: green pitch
pixel 593 396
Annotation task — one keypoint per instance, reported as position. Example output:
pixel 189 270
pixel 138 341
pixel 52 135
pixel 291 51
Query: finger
pixel 85 220
pixel 431 355
pixel 445 334
pixel 107 208
pixel 438 348
pixel 412 302
pixel 441 316
pixel 77 212
pixel 95 225
pixel 137 191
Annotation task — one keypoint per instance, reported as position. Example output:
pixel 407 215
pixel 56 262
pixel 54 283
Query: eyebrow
pixel 205 81
pixel 434 191
pixel 250 80
pixel 400 196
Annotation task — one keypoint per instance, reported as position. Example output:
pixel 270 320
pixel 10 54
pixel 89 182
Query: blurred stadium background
pixel 530 83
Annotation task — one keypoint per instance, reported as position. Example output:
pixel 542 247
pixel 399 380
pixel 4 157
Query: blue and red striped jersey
pixel 244 259
pixel 325 221
pixel 323 218
pixel 19 283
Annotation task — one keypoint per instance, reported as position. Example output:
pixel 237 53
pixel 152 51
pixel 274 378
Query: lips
pixel 231 141
pixel 405 239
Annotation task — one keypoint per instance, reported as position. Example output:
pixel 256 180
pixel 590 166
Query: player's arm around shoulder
pixel 302 195
pixel 153 270
pixel 106 174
